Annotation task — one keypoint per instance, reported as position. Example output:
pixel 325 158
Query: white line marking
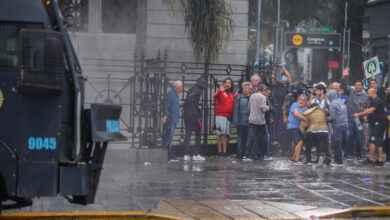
pixel 359 187
pixel 354 195
pixel 318 194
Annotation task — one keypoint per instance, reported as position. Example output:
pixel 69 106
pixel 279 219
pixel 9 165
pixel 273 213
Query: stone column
pixel 141 35
pixel 95 16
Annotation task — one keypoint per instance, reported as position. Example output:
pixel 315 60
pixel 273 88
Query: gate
pixel 141 85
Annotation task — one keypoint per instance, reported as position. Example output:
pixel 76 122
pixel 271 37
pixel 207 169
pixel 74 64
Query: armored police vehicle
pixel 50 144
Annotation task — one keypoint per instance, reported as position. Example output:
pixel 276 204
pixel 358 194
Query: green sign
pixel 322 29
pixel 371 66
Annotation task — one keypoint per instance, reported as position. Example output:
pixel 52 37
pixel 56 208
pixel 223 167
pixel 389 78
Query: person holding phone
pixel 224 105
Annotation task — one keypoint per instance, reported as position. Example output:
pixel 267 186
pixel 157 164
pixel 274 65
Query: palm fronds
pixel 209 24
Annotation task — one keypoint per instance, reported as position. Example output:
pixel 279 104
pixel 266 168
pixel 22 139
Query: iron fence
pixel 140 86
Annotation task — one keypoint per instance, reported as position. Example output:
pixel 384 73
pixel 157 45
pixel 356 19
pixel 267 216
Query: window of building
pixel 75 13
pixel 366 27
pixel 119 16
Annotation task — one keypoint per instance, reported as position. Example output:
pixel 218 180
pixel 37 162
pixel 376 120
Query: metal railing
pixel 140 86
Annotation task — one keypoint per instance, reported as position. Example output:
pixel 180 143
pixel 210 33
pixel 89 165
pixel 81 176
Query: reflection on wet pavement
pixel 139 187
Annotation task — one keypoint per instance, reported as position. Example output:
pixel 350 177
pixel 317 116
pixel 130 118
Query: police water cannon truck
pixel 50 143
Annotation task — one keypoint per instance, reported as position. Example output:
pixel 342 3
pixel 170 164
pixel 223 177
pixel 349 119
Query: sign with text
pixel 371 66
pixel 308 40
pixel 322 29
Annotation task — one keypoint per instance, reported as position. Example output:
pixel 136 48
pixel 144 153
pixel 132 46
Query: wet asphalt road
pixel 139 187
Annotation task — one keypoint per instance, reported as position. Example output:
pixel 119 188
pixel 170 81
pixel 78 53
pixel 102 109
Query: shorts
pixel 295 135
pixel 222 125
pixel 377 134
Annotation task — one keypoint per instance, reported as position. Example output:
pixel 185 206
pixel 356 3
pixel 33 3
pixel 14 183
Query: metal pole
pixel 276 42
pixel 206 100
pixel 388 55
pixel 349 46
pixel 343 52
pixel 258 31
pixel 345 61
pixel 345 14
pixel 278 12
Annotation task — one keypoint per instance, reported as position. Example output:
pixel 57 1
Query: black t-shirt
pixel 381 93
pixel 280 91
pixel 379 115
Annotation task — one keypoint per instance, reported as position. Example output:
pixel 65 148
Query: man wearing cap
pixel 280 91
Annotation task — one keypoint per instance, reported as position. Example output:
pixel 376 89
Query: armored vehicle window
pixel 8 45
pixel 42 60
pixel 9 32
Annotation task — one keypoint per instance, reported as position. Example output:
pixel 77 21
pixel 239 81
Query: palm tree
pixel 209 24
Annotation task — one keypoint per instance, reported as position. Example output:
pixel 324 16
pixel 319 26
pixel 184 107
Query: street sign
pixel 299 40
pixel 371 66
pixel 322 29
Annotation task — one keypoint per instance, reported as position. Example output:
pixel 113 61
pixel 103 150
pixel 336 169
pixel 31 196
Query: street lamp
pixel 258 31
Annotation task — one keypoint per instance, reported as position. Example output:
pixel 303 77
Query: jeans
pixel 354 139
pixel 279 127
pixel 196 128
pixel 320 140
pixel 242 134
pixel 253 128
pixel 170 133
pixel 337 137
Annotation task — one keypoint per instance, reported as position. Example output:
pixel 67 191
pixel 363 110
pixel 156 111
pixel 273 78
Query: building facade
pixel 376 31
pixel 117 29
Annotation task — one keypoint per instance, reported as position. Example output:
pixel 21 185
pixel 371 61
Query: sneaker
pixel 308 163
pixel 225 155
pixel 186 157
pixel 173 160
pixel 368 162
pixel 379 163
pixel 246 158
pixel 320 163
pixel 337 164
pixel 359 158
pixel 298 163
pixel 348 157
pixel 268 158
pixel 219 154
pixel 198 158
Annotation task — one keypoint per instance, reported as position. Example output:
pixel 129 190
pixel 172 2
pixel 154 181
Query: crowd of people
pixel 336 119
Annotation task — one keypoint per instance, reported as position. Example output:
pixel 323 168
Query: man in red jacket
pixel 224 104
